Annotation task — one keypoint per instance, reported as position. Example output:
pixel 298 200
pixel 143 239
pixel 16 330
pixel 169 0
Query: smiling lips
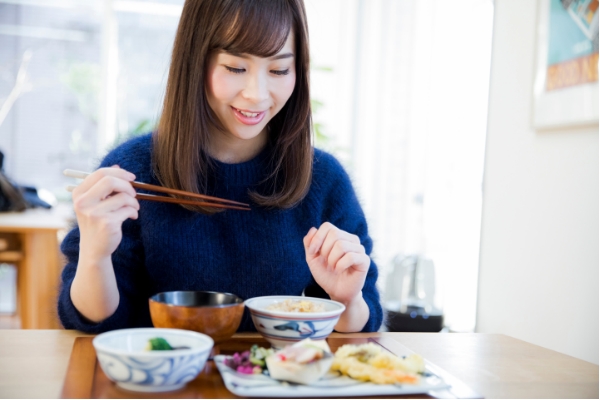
pixel 248 117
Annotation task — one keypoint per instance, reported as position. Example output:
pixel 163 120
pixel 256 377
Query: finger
pixel 333 236
pixel 316 264
pixel 106 186
pixel 97 175
pixel 342 233
pixel 111 223
pixel 308 237
pixel 360 262
pixel 317 241
pixel 116 202
pixel 340 249
pixel 102 212
pixel 115 219
pixel 125 212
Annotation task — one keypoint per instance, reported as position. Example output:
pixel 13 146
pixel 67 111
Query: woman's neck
pixel 233 150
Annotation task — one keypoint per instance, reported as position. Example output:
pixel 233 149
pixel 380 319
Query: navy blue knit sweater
pixel 249 253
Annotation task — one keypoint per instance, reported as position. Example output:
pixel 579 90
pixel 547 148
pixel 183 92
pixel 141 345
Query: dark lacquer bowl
pixel 215 314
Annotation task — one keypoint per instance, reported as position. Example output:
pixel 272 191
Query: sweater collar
pixel 246 173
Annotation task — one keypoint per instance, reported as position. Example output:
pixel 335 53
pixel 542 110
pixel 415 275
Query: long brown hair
pixel 257 27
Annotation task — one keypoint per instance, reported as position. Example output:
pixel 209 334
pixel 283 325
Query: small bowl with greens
pixel 152 359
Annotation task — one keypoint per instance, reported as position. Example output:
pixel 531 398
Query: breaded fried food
pixel 368 362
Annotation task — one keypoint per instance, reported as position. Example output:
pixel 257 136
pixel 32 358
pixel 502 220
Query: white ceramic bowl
pixel 125 361
pixel 285 328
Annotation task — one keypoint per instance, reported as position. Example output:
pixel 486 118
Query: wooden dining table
pixel 36 364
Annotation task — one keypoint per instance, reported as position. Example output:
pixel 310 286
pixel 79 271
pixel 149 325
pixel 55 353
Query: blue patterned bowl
pixel 125 361
pixel 282 328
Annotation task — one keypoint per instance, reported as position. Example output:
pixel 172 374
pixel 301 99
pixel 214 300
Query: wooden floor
pixel 8 321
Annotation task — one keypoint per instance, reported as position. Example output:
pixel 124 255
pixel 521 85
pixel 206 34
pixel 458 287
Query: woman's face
pixel 246 91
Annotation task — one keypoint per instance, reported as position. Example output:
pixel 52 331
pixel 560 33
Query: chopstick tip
pixel 75 174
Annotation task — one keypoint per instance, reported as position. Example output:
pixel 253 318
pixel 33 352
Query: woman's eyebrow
pixel 246 56
pixel 281 56
pixel 236 54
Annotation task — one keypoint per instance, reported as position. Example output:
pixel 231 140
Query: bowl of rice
pixel 285 320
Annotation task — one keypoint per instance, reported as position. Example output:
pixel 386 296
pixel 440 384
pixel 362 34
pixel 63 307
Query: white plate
pixel 331 385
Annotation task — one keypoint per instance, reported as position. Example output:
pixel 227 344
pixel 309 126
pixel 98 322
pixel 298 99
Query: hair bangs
pixel 258 28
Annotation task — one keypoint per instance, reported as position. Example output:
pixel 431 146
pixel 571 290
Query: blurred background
pixel 413 96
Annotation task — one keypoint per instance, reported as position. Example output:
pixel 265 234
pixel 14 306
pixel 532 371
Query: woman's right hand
pixel 102 202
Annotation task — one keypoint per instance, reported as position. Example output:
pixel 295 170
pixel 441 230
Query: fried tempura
pixel 367 362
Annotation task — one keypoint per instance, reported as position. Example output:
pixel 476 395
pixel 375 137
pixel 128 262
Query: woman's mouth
pixel 248 117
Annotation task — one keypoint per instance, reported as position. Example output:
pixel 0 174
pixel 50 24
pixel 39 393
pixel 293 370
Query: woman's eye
pixel 280 72
pixel 235 70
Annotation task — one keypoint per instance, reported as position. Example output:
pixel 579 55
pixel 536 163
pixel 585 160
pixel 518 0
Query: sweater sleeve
pixel 343 210
pixel 128 265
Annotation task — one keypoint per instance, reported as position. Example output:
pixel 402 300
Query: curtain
pixel 403 86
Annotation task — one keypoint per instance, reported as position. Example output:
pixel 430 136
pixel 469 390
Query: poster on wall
pixel 566 79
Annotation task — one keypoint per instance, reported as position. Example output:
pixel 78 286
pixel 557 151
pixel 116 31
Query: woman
pixel 236 124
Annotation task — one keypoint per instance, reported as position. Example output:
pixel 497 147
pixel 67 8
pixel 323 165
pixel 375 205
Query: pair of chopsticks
pixel 210 201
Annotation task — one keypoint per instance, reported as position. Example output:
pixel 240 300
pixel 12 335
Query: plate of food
pixel 309 369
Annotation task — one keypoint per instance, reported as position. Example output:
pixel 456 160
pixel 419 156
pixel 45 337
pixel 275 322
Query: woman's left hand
pixel 337 261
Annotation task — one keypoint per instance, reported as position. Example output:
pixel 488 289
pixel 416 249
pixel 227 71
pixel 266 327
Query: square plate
pixel 331 385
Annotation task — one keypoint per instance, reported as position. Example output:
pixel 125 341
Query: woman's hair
pixel 256 27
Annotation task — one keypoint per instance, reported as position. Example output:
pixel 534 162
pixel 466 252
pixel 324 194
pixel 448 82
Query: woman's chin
pixel 249 133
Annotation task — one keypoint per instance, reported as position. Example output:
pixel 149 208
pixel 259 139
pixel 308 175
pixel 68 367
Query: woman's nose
pixel 256 89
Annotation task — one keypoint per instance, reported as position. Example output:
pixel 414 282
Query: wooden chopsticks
pixel 214 202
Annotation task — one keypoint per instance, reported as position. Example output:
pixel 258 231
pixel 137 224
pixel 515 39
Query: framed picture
pixel 566 76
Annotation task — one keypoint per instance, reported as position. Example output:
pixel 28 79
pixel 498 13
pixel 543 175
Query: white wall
pixel 539 244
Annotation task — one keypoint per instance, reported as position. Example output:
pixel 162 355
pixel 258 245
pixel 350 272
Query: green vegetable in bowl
pixel 161 344
pixel 158 344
